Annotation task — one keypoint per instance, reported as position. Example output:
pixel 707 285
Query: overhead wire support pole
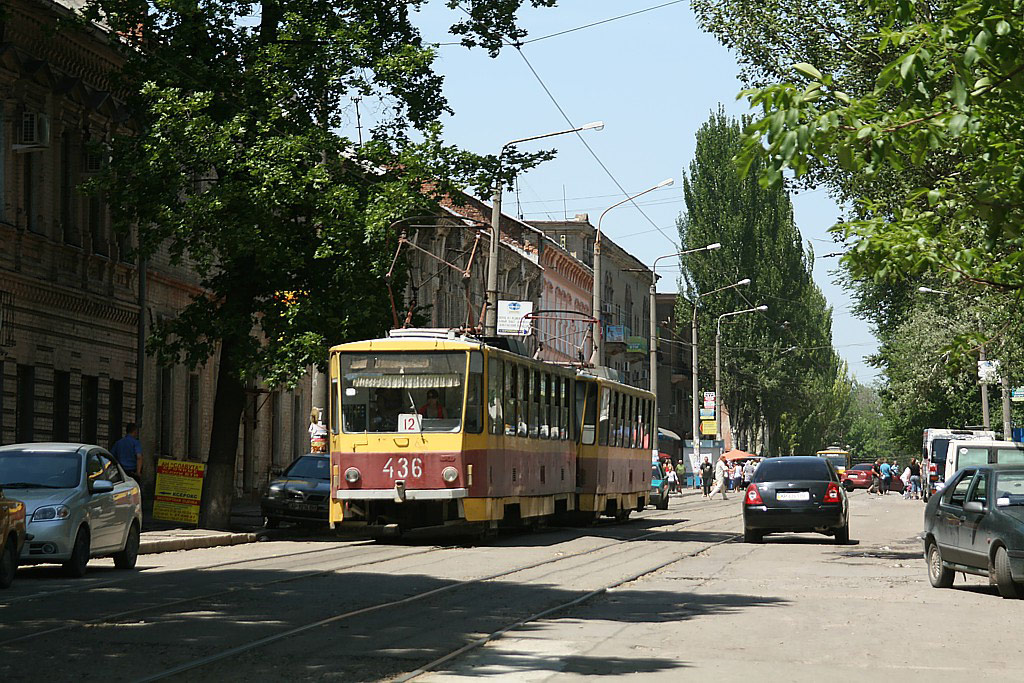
pixel 693 359
pixel 491 314
pixel 598 357
pixel 653 345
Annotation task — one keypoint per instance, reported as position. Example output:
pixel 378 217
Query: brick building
pixel 70 305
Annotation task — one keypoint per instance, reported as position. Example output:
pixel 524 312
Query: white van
pixel 967 453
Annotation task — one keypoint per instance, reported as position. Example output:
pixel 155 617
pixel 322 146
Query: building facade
pixel 70 306
pixel 625 315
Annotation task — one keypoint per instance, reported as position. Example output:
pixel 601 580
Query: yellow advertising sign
pixel 179 488
pixel 708 427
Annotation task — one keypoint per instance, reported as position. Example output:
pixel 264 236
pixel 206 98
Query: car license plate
pixel 792 495
pixel 303 507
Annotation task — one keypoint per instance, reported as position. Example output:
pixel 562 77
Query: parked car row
pixel 66 503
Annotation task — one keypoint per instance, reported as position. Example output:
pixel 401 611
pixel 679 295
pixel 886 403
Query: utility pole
pixel 1004 382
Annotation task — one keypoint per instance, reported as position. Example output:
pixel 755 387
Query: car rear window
pixel 864 466
pixel 791 469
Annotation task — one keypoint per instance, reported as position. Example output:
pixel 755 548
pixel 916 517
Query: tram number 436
pixel 400 468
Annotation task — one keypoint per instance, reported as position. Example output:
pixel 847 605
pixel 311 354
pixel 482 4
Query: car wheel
pixel 663 503
pixel 76 564
pixel 752 535
pixel 130 554
pixel 271 522
pixel 1008 588
pixel 843 534
pixel 848 485
pixel 939 576
pixel 8 563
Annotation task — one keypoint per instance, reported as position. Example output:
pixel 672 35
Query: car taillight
pixel 831 493
pixel 753 496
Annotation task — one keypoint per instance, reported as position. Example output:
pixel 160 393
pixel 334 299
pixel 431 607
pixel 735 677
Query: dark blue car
pixel 976 525
pixel 300 494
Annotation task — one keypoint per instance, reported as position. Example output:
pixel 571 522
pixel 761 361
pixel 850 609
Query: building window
pixel 90 408
pixel 300 431
pixel 26 404
pixel 115 411
pixel 97 225
pixel 29 191
pixel 3 171
pixel 67 192
pixel 61 406
pixel 166 411
pixel 193 427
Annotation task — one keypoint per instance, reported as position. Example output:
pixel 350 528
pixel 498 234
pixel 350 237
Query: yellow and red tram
pixel 428 428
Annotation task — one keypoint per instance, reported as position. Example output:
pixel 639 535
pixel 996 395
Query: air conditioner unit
pixel 34 133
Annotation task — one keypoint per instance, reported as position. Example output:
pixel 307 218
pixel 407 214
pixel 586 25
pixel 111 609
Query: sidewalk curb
pixel 195 542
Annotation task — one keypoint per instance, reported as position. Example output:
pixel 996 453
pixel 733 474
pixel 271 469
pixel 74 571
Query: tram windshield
pixel 407 392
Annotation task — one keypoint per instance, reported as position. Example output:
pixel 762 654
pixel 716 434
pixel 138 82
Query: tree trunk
pixel 219 483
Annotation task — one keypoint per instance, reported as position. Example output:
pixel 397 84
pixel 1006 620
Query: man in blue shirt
pixel 886 470
pixel 128 451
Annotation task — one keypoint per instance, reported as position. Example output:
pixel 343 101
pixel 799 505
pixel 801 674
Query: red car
pixel 859 477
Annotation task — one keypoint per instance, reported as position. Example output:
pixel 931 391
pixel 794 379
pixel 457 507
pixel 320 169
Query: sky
pixel 653 79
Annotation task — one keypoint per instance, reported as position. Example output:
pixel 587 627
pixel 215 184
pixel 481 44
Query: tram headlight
pixel 449 474
pixel 352 475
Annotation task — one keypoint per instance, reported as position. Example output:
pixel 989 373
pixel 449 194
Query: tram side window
pixel 495 407
pixel 545 405
pixel 646 440
pixel 534 403
pixel 335 403
pixel 524 402
pixel 605 417
pixel 511 394
pixel 474 423
pixel 634 420
pixel 563 410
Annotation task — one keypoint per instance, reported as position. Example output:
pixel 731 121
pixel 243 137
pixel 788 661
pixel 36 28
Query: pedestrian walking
pixel 905 478
pixel 876 477
pixel 737 476
pixel 681 475
pixel 706 471
pixel 886 472
pixel 915 479
pixel 748 473
pixel 673 479
pixel 721 472
pixel 128 451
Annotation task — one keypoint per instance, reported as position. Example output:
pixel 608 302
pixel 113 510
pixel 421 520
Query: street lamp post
pixel 693 358
pixel 491 318
pixel 718 362
pixel 986 423
pixel 653 350
pixel 598 356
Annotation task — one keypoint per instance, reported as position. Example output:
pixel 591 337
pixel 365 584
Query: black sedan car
pixel 976 525
pixel 300 494
pixel 796 493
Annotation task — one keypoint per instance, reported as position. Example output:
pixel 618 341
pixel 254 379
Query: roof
pixel 414 340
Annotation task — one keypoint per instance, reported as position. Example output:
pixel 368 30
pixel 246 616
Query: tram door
pixel 585 421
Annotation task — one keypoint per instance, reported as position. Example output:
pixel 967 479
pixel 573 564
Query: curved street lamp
pixel 598 356
pixel 718 361
pixel 693 359
pixel 653 346
pixel 491 318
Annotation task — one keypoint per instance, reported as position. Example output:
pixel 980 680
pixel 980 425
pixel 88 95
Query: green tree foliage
pixel 236 168
pixel 783 383
pixel 869 434
pixel 910 114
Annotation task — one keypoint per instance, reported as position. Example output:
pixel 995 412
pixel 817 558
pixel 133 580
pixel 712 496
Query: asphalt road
pixel 685 597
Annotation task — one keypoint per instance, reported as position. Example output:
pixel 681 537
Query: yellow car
pixel 12 535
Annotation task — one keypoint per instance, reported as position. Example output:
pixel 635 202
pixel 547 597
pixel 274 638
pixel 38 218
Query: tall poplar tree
pixel 782 381
pixel 236 167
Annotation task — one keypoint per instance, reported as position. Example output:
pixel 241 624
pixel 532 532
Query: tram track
pixel 115 617
pixel 78 586
pixel 397 604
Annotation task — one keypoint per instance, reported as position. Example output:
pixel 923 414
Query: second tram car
pixel 432 429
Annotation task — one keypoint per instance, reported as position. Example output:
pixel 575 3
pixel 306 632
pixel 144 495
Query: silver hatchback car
pixel 79 504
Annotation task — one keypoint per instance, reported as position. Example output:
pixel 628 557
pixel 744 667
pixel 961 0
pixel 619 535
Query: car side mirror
pixel 101 486
pixel 973 506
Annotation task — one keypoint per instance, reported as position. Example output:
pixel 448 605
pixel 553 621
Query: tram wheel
pixel 622 515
